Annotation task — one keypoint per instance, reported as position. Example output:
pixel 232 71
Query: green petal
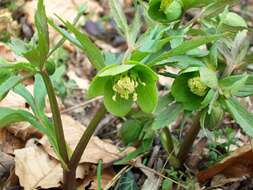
pixel 115 70
pixel 120 107
pixel 182 93
pixel 147 97
pixel 146 73
pixel 97 86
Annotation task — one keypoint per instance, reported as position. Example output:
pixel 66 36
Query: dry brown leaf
pixel 35 168
pixel 239 164
pixel 96 150
pixel 66 9
pixel 9 142
pixel 91 182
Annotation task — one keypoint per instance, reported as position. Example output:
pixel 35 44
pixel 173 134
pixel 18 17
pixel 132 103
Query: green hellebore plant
pixel 167 11
pixel 122 85
pixel 190 89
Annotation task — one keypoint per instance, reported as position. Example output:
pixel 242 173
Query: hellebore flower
pixel 189 89
pixel 171 10
pixel 122 85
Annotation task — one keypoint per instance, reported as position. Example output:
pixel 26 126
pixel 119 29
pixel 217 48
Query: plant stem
pixel 59 134
pixel 70 176
pixel 167 142
pixel 189 140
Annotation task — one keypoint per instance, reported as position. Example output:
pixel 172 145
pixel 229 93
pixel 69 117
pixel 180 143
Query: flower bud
pixel 172 10
pixel 50 67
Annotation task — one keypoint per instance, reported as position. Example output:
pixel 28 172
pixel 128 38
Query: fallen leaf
pixel 238 164
pixel 96 150
pixel 91 182
pixel 36 169
pixel 9 142
pixel 66 9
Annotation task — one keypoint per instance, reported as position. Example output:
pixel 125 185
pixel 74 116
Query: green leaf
pixel 22 91
pixel 240 114
pixel 130 131
pixel 185 47
pixel 208 77
pixel 40 93
pixel 144 147
pixel 93 53
pixel 7 85
pixel 167 116
pixel 120 107
pixel 135 26
pixel 65 33
pixel 118 15
pixel 18 66
pixel 147 96
pixel 115 70
pixel 42 29
pixel 9 116
pixel 233 84
pixel 163 102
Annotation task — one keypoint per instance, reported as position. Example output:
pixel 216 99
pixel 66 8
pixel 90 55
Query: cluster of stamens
pixel 125 86
pixel 197 86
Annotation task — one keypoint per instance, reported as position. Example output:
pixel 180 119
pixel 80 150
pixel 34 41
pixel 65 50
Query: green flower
pixel 122 85
pixel 189 89
pixel 166 11
pixel 197 86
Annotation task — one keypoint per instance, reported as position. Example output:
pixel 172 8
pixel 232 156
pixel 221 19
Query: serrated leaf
pixel 135 27
pixel 240 114
pixel 119 16
pixel 167 116
pixel 185 47
pixel 93 53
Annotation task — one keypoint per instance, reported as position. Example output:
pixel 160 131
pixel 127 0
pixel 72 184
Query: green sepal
pixel 119 107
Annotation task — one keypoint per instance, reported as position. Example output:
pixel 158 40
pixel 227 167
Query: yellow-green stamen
pixel 197 86
pixel 125 86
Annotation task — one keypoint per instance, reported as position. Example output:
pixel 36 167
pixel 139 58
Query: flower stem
pixel 189 140
pixel 70 176
pixel 59 134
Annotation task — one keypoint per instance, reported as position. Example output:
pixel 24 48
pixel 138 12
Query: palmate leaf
pixel 240 114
